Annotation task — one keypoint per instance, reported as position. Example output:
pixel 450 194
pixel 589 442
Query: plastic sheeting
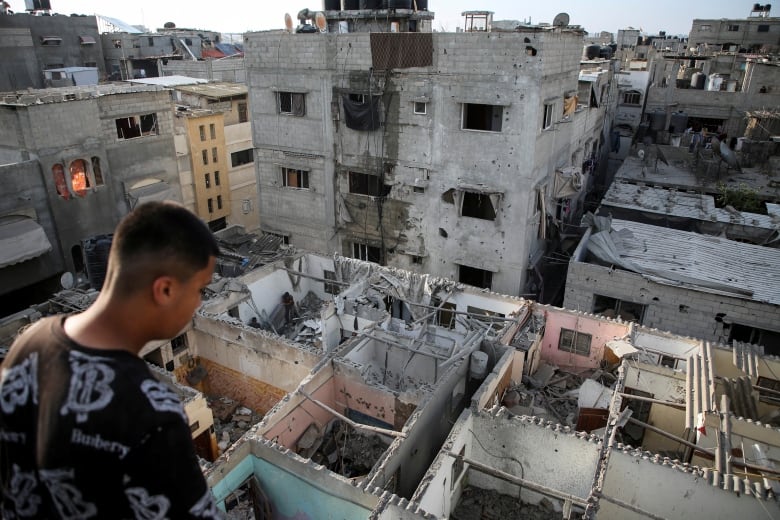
pixel 568 183
pixel 361 116
pixel 21 239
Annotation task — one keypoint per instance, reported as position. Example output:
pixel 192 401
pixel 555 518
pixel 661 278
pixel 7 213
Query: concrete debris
pixel 345 450
pixel 231 420
pixel 490 505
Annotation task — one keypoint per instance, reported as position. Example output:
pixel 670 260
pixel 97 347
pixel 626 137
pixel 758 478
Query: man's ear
pixel 163 289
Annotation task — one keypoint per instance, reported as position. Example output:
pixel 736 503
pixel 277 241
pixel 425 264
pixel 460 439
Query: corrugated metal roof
pixel 681 204
pixel 699 262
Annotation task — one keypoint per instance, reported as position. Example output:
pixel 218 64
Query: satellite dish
pixel 561 20
pixel 288 22
pixel 66 280
pixel 320 22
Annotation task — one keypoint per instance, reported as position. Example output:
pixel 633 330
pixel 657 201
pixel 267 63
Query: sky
pixel 672 16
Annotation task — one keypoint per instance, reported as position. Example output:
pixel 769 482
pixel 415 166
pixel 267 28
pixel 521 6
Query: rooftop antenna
pixel 561 20
pixel 288 22
pixel 321 22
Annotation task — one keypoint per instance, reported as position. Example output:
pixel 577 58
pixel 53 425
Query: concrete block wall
pixel 675 309
pixel 19 64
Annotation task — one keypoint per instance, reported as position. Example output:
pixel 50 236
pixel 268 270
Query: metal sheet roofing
pixel 698 262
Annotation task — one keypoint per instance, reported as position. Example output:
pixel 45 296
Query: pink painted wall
pixel 600 330
pixel 291 425
pixel 372 401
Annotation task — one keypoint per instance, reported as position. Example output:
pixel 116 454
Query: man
pixel 86 430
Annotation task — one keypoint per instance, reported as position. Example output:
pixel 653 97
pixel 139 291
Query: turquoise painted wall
pixel 292 498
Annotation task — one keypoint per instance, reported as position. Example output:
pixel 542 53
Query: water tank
pixel 422 5
pixel 697 80
pixel 351 5
pixel 716 80
pixel 605 52
pixel 370 4
pixel 478 365
pixel 332 5
pixel 96 254
pixel 678 123
pixel 592 51
pixel 658 119
pixel 399 4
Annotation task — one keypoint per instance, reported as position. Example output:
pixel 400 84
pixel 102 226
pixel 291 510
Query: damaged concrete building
pixel 436 152
pixel 77 159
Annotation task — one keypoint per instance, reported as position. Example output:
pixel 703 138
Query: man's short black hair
pixel 160 238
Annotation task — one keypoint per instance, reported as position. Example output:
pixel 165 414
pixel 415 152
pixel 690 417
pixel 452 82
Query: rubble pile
pixel 342 448
pixel 488 504
pixel 231 420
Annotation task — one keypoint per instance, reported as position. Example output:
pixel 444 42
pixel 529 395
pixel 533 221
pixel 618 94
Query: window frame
pixel 362 251
pixel 240 155
pixel 137 126
pixel 355 181
pixel 204 155
pixel 632 94
pixel 464 118
pixel 762 28
pixel 243 112
pixel 207 180
pixel 282 106
pixel 303 178
pixel 482 197
pixel 212 131
pixel 424 110
pixel 547 115
pixel 214 154
pixel 216 178
pixel 574 347
pixel 732 28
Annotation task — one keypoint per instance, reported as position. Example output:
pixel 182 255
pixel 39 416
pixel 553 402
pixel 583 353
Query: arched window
pixel 97 171
pixel 58 171
pixel 78 177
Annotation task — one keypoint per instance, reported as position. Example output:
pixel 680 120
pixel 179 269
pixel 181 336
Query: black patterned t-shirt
pixel 90 433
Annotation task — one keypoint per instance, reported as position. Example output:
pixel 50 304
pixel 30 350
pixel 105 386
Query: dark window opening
pixel 77 255
pixel 366 252
pixel 218 224
pixel 445 315
pixel 292 178
pixel 762 28
pixel 418 189
pixel 331 288
pixel 732 28
pixel 210 204
pixel 97 171
pixel 667 361
pixel 207 180
pixel 487 118
pixel 476 277
pixel 205 156
pixel 202 130
pixel 494 324
pixel 357 98
pixel 547 116
pixel 148 124
pixel 219 201
pixel 615 308
pixel 291 103
pixel 769 339
pixel 214 155
pixel 179 344
pixel 151 41
pixel 632 97
pixel 574 342
pixel 216 178
pixel 769 390
pixel 213 130
pixel 365 184
pixel 242 157
pixel 420 107
pixel 477 205
pixel 243 116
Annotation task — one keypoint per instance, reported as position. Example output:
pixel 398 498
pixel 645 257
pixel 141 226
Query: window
pixel 179 344
pixel 291 103
pixel 365 184
pixel 477 205
pixel 78 177
pixel 219 201
pixel 615 308
pixel 202 129
pixel 331 288
pixel 769 390
pixel 445 315
pixel 769 339
pixel 51 41
pixel 574 342
pixel 292 178
pixel 216 178
pixel 136 126
pixel 205 156
pixel 418 189
pixel 762 28
pixel 486 118
pixel 87 40
pixel 61 185
pixel 246 206
pixel 97 171
pixel 210 204
pixel 705 28
pixel 214 155
pixel 420 107
pixel 242 157
pixel 151 41
pixel 632 97
pixel 476 277
pixel 242 113
pixel 547 116
pixel 213 130
pixel 732 28
pixel 366 252
pixel 207 180
pixel 357 98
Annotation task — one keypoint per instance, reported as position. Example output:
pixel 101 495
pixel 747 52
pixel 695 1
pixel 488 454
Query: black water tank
pixel 422 5
pixel 592 51
pixel 351 5
pixel 370 4
pixel 96 254
pixel 605 52
pixel 399 4
pixel 332 5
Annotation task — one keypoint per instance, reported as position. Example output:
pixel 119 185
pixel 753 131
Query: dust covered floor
pixel 486 504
